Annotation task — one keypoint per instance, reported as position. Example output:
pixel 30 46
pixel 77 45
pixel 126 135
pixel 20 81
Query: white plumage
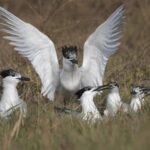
pixel 114 102
pixel 10 99
pixel 136 103
pixel 89 109
pixel 40 50
pixel 99 47
pixel 86 96
pixel 137 100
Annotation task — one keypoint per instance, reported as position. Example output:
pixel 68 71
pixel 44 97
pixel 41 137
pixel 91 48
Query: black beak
pixel 146 90
pixel 24 78
pixel 103 87
pixel 74 61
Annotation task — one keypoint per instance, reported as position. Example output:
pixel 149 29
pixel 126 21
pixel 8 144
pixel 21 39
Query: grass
pixel 71 22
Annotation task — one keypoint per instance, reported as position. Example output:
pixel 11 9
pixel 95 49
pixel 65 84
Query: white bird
pixel 89 109
pixel 40 50
pixel 114 102
pixel 10 99
pixel 138 94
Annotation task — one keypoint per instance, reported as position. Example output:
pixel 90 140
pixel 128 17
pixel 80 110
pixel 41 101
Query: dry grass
pixel 71 22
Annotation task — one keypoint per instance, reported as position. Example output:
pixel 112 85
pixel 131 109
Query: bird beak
pixel 103 87
pixel 146 90
pixel 74 61
pixel 24 78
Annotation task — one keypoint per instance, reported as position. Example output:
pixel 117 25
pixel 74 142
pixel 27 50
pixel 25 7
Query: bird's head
pixel 80 92
pixel 12 76
pixel 139 90
pixel 91 90
pixel 70 54
pixel 113 85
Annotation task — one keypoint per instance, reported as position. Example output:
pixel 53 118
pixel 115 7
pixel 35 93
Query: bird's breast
pixel 70 81
pixel 113 101
pixel 135 104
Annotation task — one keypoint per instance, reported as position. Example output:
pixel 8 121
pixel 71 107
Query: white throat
pixel 10 94
pixel 136 102
pixel 113 102
pixel 9 97
pixel 70 76
pixel 68 65
pixel 89 110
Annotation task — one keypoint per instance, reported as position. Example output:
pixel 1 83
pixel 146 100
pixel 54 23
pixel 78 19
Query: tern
pixel 89 109
pixel 41 52
pixel 10 99
pixel 114 102
pixel 138 93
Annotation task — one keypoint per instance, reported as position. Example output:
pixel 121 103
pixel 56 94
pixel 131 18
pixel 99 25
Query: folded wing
pixel 99 47
pixel 34 45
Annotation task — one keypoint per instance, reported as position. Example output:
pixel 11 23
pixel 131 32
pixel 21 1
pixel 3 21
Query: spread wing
pixel 99 47
pixel 34 45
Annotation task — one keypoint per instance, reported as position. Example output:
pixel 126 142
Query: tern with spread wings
pixel 41 52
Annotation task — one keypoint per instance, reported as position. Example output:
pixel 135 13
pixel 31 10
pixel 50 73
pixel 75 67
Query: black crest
pixel 8 72
pixel 133 92
pixel 69 51
pixel 135 89
pixel 81 91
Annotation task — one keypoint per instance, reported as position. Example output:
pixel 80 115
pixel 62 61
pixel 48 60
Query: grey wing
pixel 99 47
pixel 34 45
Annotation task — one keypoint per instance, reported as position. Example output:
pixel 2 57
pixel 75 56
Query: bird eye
pixel 67 54
pixel 12 74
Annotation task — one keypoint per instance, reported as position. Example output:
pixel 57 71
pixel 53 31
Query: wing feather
pixel 34 45
pixel 99 47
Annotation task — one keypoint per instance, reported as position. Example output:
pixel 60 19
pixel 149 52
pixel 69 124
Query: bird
pixel 10 100
pixel 138 93
pixel 114 102
pixel 86 97
pixel 40 50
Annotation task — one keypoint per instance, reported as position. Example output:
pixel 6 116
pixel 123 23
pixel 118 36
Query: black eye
pixel 66 54
pixel 12 74
pixel 87 88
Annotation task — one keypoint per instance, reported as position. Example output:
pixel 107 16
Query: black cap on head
pixel 135 89
pixel 133 92
pixel 8 72
pixel 68 51
pixel 139 89
pixel 81 91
